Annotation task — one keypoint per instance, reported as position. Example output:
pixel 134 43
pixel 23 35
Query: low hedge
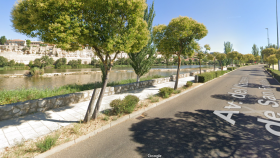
pixel 165 92
pixel 231 68
pixel 275 73
pixel 202 78
pixel 127 105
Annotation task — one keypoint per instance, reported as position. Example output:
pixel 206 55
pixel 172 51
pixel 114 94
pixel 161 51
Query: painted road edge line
pixel 111 124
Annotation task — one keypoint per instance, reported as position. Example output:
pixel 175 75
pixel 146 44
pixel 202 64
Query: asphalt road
pixel 193 124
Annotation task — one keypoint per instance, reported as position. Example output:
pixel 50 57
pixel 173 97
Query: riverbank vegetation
pixel 22 94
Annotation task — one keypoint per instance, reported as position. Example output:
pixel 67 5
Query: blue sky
pixel 241 22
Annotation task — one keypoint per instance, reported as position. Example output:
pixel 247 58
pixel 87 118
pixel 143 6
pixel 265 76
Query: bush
pixel 47 143
pixel 274 73
pixel 36 71
pixel 126 105
pixel 165 92
pixel 189 83
pixel 231 68
pixel 202 78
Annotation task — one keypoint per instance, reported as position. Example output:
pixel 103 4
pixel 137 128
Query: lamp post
pixel 277 34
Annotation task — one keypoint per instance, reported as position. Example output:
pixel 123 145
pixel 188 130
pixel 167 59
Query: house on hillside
pixel 17 42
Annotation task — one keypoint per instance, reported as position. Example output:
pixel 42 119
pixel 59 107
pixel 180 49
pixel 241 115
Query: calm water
pixel 57 81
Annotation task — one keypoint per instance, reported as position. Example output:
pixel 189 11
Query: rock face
pixel 40 105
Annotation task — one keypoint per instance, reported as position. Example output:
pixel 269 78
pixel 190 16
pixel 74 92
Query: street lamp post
pixel 277 34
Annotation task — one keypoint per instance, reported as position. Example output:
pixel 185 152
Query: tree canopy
pixel 255 50
pixel 179 38
pixel 228 47
pixel 3 40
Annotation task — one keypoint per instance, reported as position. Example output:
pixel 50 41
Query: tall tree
pixel 28 42
pixel 179 38
pixel 227 47
pixel 220 57
pixel 3 40
pixel 255 50
pixel 232 55
pixel 142 61
pixel 109 27
pixel 207 48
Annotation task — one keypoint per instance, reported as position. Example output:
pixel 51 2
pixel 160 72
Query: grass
pixel 47 143
pixel 22 94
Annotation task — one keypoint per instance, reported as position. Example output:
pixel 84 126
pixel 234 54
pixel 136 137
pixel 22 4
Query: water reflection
pixel 57 81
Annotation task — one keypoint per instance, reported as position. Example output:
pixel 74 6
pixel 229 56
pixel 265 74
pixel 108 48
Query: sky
pixel 241 22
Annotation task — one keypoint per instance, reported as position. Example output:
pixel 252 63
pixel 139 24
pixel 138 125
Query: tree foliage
pixel 228 47
pixel 3 40
pixel 267 52
pixel 142 61
pixel 179 38
pixel 109 27
pixel 255 50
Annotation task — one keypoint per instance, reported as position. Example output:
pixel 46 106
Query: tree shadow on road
pixel 203 134
pixel 249 99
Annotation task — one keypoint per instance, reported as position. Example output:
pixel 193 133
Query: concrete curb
pixel 111 124
pixel 271 75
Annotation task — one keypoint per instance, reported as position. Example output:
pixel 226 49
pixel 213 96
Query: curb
pixel 271 75
pixel 113 123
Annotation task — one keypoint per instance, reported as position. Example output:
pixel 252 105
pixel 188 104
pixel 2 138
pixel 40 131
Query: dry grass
pixel 73 131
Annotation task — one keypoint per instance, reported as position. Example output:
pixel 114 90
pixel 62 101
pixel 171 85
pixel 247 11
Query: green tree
pixel 3 61
pixel 3 40
pixel 179 38
pixel 272 59
pixel 109 27
pixel 258 58
pixel 250 58
pixel 207 48
pixel 240 57
pixel 220 57
pixel 142 61
pixel 232 55
pixel 227 47
pixel 255 50
pixel 37 63
pixel 12 63
pixel 267 52
pixel 28 42
pixel 190 61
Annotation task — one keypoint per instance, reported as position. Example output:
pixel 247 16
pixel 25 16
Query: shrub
pixel 130 102
pixel 117 106
pixel 189 83
pixel 36 71
pixel 165 92
pixel 231 68
pixel 47 143
pixel 126 105
pixel 30 63
pixel 12 63
pixel 202 78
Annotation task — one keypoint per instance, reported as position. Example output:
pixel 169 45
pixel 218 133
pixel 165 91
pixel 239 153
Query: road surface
pixel 231 116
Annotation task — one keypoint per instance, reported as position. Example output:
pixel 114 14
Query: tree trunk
pixel 98 103
pixel 178 72
pixel 214 64
pixel 138 78
pixel 90 106
pixel 200 66
pixel 222 68
pixel 232 62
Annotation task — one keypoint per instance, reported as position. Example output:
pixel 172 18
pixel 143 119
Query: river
pixel 58 81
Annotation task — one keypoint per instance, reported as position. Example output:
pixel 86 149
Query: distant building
pixel 17 42
pixel 36 43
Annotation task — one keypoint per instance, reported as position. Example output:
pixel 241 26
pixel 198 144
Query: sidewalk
pixel 31 126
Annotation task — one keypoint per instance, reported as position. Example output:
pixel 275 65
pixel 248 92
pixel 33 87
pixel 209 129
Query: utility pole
pixel 267 37
pixel 277 34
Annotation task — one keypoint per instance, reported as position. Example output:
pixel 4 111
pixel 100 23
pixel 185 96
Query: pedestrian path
pixel 31 126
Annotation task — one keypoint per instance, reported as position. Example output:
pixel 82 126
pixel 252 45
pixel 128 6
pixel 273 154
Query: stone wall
pixel 40 105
